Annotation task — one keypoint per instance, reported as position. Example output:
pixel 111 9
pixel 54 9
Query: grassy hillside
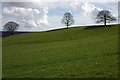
pixel 67 53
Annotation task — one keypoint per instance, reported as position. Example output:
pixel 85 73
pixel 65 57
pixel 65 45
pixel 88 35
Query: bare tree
pixel 67 19
pixel 11 27
pixel 105 16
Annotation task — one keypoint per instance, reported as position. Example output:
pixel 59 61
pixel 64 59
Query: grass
pixel 66 53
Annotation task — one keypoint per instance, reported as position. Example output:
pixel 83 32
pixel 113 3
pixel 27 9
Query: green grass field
pixel 66 53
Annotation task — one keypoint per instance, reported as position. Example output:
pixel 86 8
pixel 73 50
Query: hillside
pixel 66 53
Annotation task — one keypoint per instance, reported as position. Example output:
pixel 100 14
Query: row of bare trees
pixel 103 16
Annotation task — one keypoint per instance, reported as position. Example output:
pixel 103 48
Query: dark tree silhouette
pixel 11 27
pixel 105 16
pixel 67 19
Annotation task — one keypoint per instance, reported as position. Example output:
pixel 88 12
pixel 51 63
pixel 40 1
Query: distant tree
pixel 11 27
pixel 105 16
pixel 67 19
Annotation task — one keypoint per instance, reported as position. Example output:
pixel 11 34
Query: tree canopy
pixel 105 16
pixel 67 19
pixel 11 26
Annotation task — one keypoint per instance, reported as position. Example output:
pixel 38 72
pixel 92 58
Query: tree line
pixel 103 16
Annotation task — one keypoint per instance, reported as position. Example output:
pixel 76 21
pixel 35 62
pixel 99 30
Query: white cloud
pixel 60 1
pixel 27 17
pixel 88 13
pixel 34 15
pixel 113 5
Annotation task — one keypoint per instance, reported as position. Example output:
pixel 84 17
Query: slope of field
pixel 66 53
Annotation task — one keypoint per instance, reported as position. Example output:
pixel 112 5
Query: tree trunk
pixel 105 20
pixel 67 26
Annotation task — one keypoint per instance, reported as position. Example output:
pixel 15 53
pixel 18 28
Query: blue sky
pixel 32 16
pixel 58 11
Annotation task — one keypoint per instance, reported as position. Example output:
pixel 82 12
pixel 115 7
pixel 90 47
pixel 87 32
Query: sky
pixel 39 15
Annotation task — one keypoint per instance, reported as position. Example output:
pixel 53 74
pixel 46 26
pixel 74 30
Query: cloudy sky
pixel 46 15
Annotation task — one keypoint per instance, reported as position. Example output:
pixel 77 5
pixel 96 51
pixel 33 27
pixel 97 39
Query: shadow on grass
pixel 97 26
pixel 6 34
